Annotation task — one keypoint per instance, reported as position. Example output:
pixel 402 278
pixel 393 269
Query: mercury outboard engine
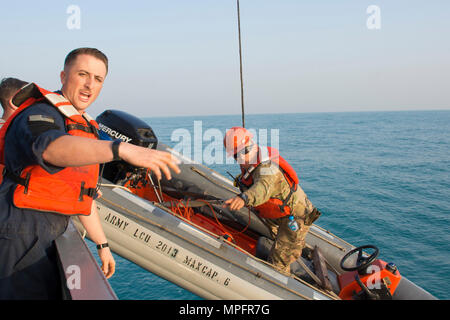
pixel 115 124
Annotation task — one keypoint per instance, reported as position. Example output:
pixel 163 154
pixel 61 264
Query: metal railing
pixel 82 278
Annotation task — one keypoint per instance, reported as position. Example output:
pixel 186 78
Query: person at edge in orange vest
pixel 50 149
pixel 270 185
pixel 8 87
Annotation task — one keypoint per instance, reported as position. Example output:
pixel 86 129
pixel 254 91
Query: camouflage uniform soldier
pixel 270 186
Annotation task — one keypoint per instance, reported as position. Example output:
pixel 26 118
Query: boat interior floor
pixel 310 267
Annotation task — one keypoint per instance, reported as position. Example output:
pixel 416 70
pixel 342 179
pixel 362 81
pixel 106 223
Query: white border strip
pixel 267 270
pixel 133 198
pixel 198 234
pixel 221 178
pixel 323 232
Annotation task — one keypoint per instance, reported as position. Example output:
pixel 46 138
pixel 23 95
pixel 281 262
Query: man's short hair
pixel 89 51
pixel 8 87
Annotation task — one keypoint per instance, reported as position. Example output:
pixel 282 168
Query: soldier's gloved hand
pixel 235 203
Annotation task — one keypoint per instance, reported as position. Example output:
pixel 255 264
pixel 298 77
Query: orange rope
pixel 224 230
pixel 217 220
pixel 183 210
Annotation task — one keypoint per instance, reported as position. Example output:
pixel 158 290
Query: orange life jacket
pixel 69 191
pixel 273 208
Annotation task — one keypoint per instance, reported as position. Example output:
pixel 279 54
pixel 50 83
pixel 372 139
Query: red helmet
pixel 236 139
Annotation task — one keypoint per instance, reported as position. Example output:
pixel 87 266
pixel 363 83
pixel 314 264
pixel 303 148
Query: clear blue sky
pixel 180 57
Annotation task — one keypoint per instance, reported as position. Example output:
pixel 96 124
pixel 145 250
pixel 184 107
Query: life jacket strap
pixel 90 192
pixel 17 179
pixel 248 172
pixel 285 201
pixel 77 126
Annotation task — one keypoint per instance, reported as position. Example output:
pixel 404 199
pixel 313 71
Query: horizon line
pixel 287 113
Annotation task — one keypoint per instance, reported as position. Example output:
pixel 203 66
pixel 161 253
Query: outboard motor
pixel 115 124
pixel 126 127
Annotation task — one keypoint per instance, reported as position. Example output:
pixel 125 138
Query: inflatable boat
pixel 180 230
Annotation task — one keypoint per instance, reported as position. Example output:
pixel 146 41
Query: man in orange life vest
pixel 8 87
pixel 270 185
pixel 51 154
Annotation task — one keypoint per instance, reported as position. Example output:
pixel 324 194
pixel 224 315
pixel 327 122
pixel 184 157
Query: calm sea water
pixel 379 178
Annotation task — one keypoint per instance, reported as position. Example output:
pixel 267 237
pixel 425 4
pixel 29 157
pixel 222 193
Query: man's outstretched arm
pixel 71 151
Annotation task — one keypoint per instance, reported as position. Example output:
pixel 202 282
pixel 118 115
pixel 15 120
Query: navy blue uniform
pixel 28 260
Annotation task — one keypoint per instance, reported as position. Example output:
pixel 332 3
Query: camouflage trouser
pixel 288 244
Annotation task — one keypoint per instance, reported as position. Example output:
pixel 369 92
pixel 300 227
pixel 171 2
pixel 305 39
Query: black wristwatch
pixel 115 150
pixel 103 245
pixel 244 197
